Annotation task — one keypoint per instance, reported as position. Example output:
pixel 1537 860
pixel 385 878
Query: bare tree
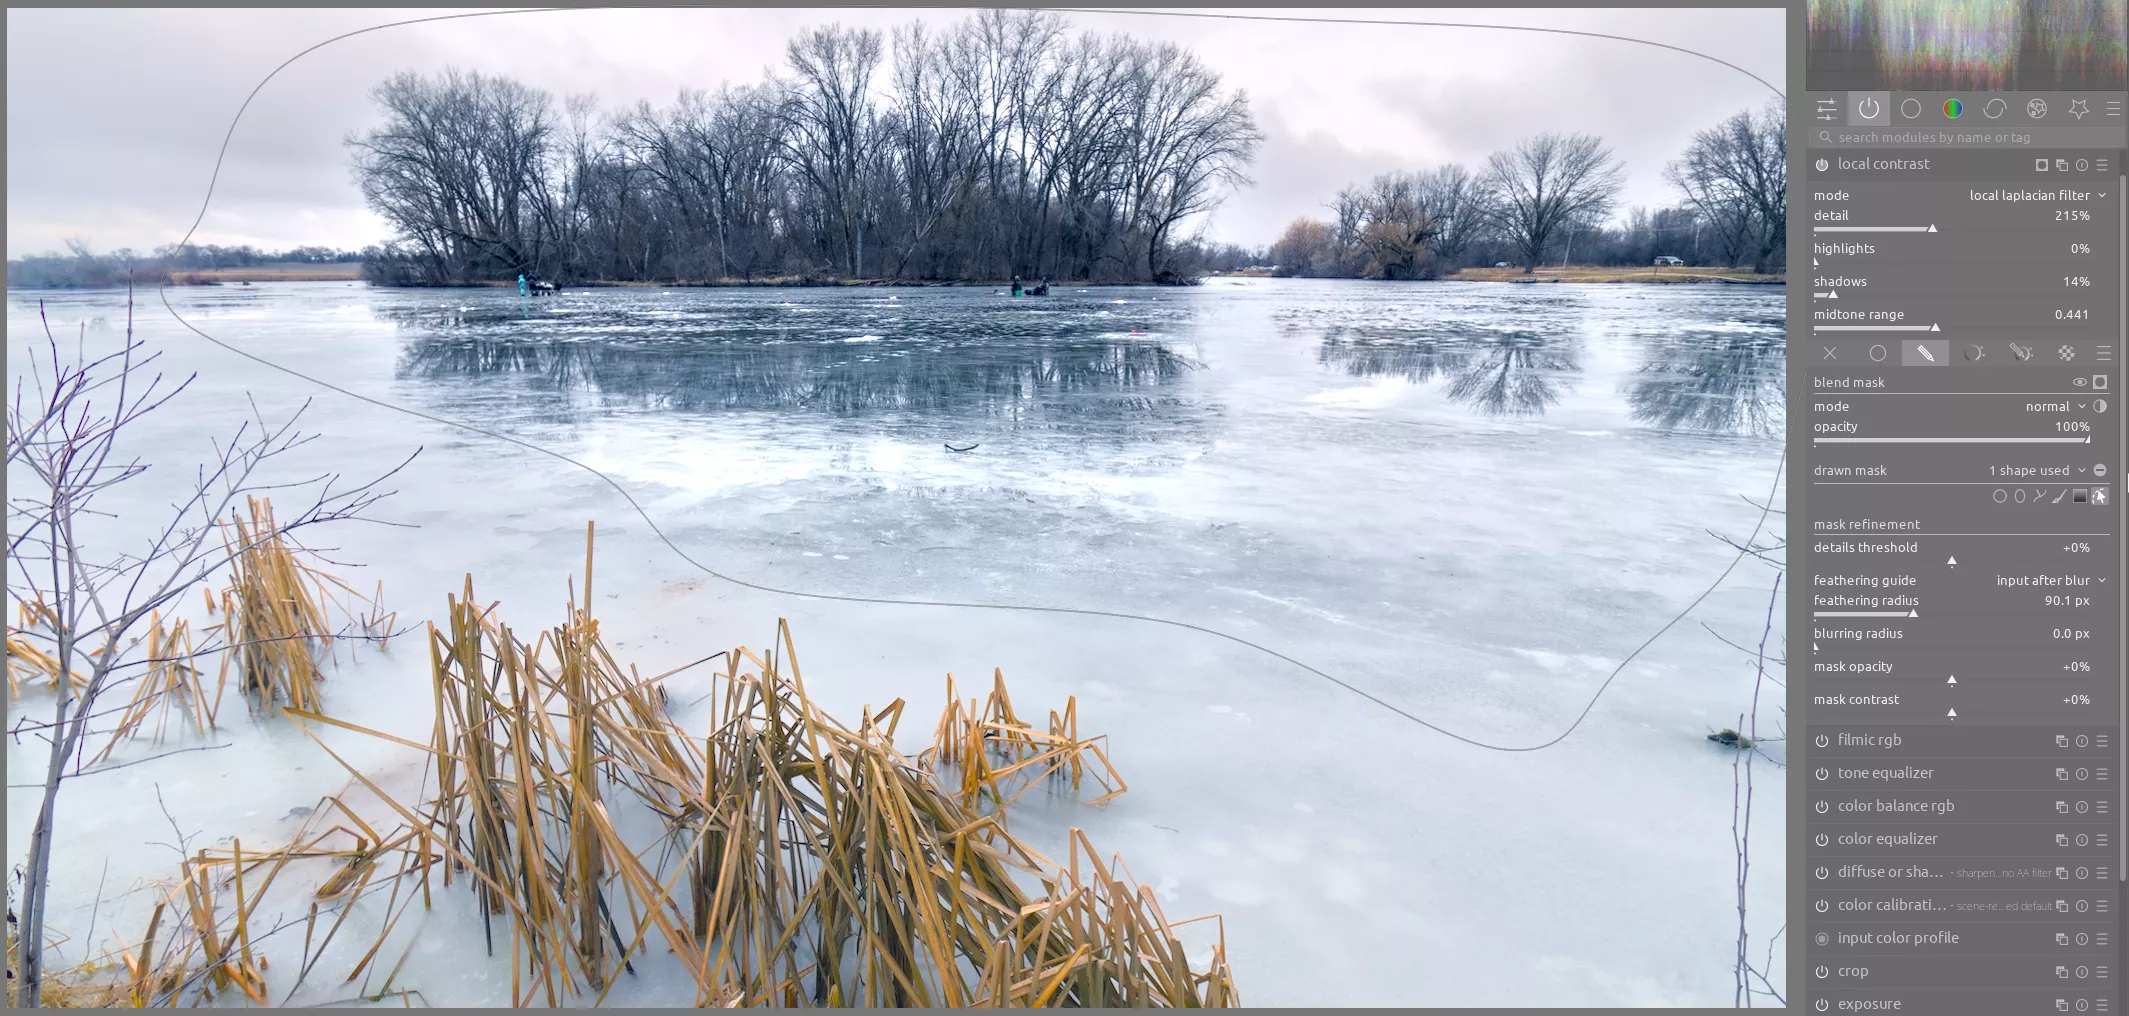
pixel 1547 184
pixel 71 418
pixel 829 126
pixel 461 168
pixel 1186 139
pixel 1000 146
pixel 1460 206
pixel 1753 977
pixel 1399 230
pixel 932 132
pixel 1349 217
pixel 1736 174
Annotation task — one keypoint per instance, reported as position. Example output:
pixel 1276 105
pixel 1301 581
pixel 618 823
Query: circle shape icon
pixel 1953 107
pixel 1911 108
pixel 1994 108
pixel 1877 353
pixel 2037 108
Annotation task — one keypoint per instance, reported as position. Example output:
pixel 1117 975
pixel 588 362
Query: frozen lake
pixel 1469 500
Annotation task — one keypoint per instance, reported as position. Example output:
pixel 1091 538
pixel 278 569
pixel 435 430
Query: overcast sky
pixel 114 116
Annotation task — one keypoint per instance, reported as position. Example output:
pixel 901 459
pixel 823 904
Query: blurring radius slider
pixel 2087 439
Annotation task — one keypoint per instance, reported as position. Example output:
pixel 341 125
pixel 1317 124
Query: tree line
pixel 81 268
pixel 1554 196
pixel 1003 145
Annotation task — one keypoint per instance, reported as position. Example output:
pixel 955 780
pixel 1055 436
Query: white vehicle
pixel 1502 264
pixel 1669 260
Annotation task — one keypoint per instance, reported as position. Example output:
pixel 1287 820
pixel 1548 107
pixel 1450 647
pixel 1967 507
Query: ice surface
pixel 1468 500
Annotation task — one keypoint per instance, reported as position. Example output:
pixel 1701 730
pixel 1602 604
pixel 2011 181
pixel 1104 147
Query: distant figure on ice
pixel 521 290
pixel 1016 285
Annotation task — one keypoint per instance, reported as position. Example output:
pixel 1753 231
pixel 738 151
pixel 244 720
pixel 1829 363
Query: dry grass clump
pixel 274 613
pixel 200 942
pixel 989 754
pixel 25 658
pixel 172 684
pixel 87 986
pixel 778 858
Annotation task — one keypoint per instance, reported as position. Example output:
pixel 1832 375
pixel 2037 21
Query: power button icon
pixel 1869 109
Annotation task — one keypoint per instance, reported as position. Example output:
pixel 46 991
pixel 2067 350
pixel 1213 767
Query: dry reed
pixel 779 858
pixel 33 620
pixel 172 682
pixel 988 753
pixel 274 613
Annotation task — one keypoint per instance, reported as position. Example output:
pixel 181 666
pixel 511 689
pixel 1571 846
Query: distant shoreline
pixel 804 282
pixel 349 272
pixel 333 272
pixel 1662 276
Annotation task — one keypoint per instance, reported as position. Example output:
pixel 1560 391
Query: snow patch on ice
pixel 1341 885
pixel 1238 892
pixel 1384 392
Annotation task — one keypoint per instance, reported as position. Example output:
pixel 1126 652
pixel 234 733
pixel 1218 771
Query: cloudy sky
pixel 114 116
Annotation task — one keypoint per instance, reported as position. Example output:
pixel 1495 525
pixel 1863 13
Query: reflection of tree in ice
pixel 1415 360
pixel 1516 374
pixel 1496 372
pixel 835 377
pixel 1085 385
pixel 1715 382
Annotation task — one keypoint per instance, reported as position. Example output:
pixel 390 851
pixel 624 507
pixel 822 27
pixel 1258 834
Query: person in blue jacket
pixel 521 290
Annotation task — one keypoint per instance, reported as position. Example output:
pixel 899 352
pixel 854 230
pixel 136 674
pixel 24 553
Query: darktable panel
pixel 1956 537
